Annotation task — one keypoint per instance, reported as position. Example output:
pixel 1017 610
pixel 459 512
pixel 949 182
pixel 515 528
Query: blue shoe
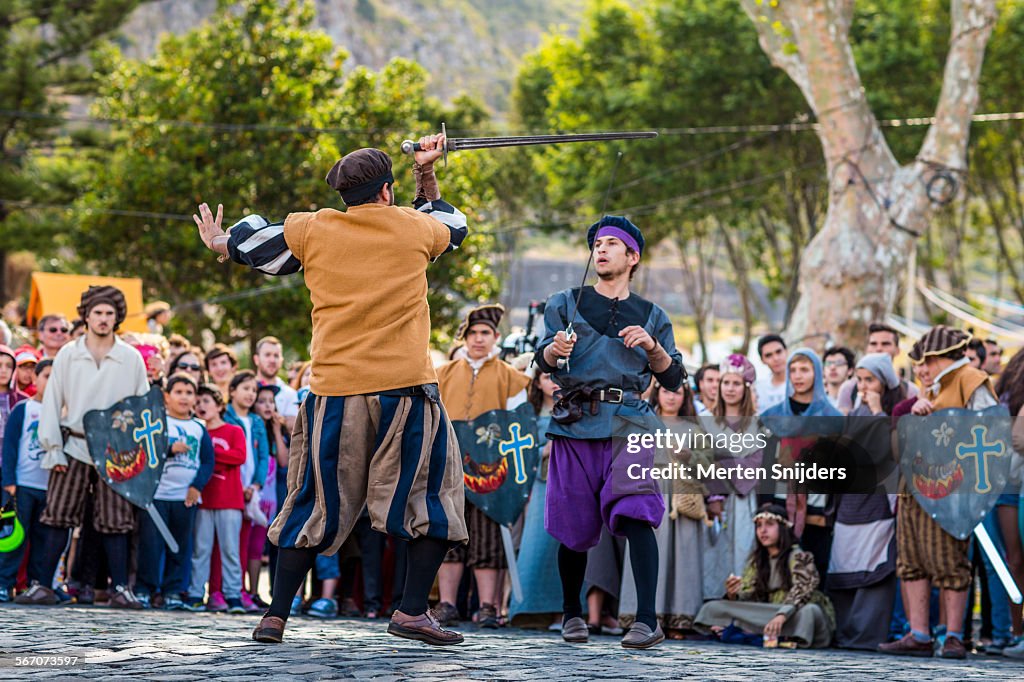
pixel 194 604
pixel 174 603
pixel 235 606
pixel 5 595
pixel 296 606
pixel 324 608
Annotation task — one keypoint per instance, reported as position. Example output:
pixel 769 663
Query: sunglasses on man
pixel 54 330
pixel 188 366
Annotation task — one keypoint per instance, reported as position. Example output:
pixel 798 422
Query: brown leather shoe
pixel 953 648
pixel 269 631
pixel 124 598
pixel 37 595
pixel 424 628
pixel 446 614
pixel 908 646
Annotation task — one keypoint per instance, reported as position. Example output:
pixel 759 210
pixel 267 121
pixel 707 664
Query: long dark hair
pixel 534 395
pixel 763 561
pixel 892 397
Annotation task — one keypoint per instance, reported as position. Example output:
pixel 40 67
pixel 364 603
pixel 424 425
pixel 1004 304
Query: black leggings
pixel 423 558
pixel 643 557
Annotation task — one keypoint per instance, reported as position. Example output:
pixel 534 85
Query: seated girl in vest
pixel 777 596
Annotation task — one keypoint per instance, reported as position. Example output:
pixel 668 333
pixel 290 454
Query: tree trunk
pixel 851 270
pixel 741 278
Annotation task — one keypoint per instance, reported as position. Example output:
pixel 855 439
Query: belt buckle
pixel 613 391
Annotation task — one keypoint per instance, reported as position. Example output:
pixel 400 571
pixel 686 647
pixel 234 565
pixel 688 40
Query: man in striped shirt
pixel 372 432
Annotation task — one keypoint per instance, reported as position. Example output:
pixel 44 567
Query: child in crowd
pixel 242 392
pixel 220 514
pixel 187 469
pixel 777 596
pixel 9 393
pixel 25 481
pixel 265 409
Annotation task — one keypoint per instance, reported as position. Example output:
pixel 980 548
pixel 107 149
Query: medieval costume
pixel 470 387
pixel 372 431
pixel 77 385
pixel 862 568
pixel 600 396
pixel 924 550
pixel 727 545
pixel 791 592
pixel 538 551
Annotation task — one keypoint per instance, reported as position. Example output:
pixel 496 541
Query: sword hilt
pixel 563 363
pixel 410 147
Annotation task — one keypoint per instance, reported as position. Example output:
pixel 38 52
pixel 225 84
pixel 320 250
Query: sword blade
pixel 461 143
pixel 455 144
pixel 996 558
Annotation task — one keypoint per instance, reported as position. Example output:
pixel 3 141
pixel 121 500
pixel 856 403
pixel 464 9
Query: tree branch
pixel 946 141
pixel 809 40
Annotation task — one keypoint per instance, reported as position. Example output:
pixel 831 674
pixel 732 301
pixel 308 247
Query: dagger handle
pixel 410 147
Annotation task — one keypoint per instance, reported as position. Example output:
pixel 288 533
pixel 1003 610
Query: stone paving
pixel 183 646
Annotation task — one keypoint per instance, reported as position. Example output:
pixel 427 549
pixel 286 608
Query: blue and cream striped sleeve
pixel 261 245
pixel 453 218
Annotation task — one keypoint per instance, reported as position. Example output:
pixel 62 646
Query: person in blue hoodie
pixel 805 415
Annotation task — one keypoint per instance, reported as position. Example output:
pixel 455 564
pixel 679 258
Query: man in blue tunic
pixel 618 341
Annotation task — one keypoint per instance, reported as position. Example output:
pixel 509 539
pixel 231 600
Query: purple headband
pixel 620 234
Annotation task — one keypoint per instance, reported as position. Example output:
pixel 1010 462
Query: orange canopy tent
pixel 54 294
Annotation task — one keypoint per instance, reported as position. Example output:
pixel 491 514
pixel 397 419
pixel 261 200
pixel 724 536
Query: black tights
pixel 423 558
pixel 114 544
pixel 643 557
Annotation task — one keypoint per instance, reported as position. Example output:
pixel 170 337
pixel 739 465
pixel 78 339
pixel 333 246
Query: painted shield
pixel 128 443
pixel 499 460
pixel 956 463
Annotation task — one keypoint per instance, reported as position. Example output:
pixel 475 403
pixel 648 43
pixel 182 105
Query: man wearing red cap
pixel 372 431
pixel 25 359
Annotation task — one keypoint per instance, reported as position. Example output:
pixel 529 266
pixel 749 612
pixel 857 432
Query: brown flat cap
pixel 360 175
pixel 940 340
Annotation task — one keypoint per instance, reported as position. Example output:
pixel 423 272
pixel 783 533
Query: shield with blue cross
pixel 499 460
pixel 128 442
pixel 956 463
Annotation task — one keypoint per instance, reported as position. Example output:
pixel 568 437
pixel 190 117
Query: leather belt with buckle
pixel 613 395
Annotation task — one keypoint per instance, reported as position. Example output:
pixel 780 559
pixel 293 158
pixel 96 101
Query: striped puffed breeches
pixel 397 455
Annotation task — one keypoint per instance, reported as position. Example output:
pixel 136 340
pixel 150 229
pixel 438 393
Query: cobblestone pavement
pixel 183 646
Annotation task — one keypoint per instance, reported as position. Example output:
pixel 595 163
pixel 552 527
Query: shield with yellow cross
pixel 499 460
pixel 956 463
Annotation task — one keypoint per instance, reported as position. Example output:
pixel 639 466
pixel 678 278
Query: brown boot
pixel 424 628
pixel 269 631
pixel 908 646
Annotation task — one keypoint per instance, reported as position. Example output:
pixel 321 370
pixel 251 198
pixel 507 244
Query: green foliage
pixel 260 64
pixel 674 64
pixel 46 53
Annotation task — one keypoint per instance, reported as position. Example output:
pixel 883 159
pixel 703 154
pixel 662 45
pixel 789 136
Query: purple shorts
pixel 588 487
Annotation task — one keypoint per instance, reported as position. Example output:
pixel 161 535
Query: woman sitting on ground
pixel 777 597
